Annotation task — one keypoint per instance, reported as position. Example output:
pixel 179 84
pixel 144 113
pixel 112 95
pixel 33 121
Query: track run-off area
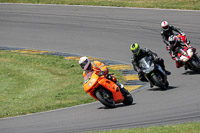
pixel 105 33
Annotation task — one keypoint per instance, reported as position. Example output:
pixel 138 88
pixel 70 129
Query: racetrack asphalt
pixel 104 33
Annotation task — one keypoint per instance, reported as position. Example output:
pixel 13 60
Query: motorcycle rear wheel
pixel 105 98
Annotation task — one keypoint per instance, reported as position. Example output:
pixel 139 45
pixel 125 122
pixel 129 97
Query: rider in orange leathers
pixel 100 69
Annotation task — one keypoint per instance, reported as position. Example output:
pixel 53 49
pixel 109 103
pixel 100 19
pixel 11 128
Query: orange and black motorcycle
pixel 105 91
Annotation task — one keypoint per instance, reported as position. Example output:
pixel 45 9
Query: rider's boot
pixel 151 85
pixel 185 66
pixel 168 72
pixel 122 89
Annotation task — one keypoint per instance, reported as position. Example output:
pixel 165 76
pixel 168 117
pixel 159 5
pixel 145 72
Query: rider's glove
pixel 183 34
pixel 155 57
pixel 101 73
pixel 178 60
pixel 173 56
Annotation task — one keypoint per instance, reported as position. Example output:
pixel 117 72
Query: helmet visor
pixel 83 64
pixel 136 51
pixel 165 27
pixel 135 48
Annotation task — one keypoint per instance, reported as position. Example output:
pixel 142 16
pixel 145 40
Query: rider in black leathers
pixel 167 31
pixel 138 54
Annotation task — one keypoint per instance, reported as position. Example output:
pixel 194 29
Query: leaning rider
pixel 167 31
pixel 175 45
pixel 100 69
pixel 138 54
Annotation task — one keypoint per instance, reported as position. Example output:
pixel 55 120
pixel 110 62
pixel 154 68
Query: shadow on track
pixel 117 106
pixel 159 89
pixel 191 72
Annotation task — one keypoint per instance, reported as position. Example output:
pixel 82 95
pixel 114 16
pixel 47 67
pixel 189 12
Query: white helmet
pixel 84 62
pixel 165 25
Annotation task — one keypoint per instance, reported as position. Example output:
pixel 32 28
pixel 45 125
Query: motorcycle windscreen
pixel 90 80
pixel 146 64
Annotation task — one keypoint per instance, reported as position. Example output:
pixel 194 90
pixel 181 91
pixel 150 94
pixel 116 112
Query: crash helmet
pixel 85 63
pixel 172 40
pixel 135 48
pixel 165 25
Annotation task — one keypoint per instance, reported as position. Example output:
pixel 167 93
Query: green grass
pixel 32 83
pixel 180 128
pixel 172 4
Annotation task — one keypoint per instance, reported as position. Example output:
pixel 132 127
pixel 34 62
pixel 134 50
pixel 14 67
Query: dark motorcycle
pixel 153 72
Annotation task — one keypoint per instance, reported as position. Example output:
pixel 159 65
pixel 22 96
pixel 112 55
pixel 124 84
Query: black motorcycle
pixel 153 72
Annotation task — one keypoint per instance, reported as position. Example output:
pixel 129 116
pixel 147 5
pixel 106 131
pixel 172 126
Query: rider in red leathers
pixel 175 44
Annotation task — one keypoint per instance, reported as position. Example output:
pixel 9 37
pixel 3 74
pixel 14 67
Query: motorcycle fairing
pixel 113 88
pixel 90 80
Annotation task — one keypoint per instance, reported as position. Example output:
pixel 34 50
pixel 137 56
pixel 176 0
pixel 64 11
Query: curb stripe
pixel 132 87
pixel 78 57
pixel 120 67
pixel 31 51
pixel 131 77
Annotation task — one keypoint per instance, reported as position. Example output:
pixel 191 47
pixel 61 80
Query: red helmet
pixel 165 25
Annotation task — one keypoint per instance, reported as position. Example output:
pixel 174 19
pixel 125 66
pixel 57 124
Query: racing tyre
pixel 196 64
pixel 159 81
pixel 105 98
pixel 128 99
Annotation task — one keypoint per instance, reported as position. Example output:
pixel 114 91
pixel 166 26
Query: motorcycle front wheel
pixel 105 98
pixel 196 64
pixel 128 99
pixel 159 81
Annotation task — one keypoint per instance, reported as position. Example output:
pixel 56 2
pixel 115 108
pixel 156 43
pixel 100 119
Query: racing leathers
pixel 143 53
pixel 174 49
pixel 167 33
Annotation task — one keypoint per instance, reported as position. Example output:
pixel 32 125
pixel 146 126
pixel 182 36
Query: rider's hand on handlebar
pixel 177 59
pixel 101 73
pixel 139 70
pixel 183 34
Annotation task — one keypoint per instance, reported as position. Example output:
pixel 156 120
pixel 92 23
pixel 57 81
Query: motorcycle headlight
pixel 89 84
pixel 184 59
pixel 190 52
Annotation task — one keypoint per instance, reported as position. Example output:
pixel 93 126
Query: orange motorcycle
pixel 105 91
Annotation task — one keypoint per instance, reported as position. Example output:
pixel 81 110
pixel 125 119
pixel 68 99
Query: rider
pixel 167 31
pixel 138 54
pixel 100 69
pixel 175 44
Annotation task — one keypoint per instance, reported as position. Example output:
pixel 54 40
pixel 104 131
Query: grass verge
pixel 180 128
pixel 32 83
pixel 168 4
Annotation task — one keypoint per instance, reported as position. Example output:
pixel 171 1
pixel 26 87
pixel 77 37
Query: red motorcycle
pixel 188 55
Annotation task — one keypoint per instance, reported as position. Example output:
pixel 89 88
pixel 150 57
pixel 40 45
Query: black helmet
pixel 135 48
